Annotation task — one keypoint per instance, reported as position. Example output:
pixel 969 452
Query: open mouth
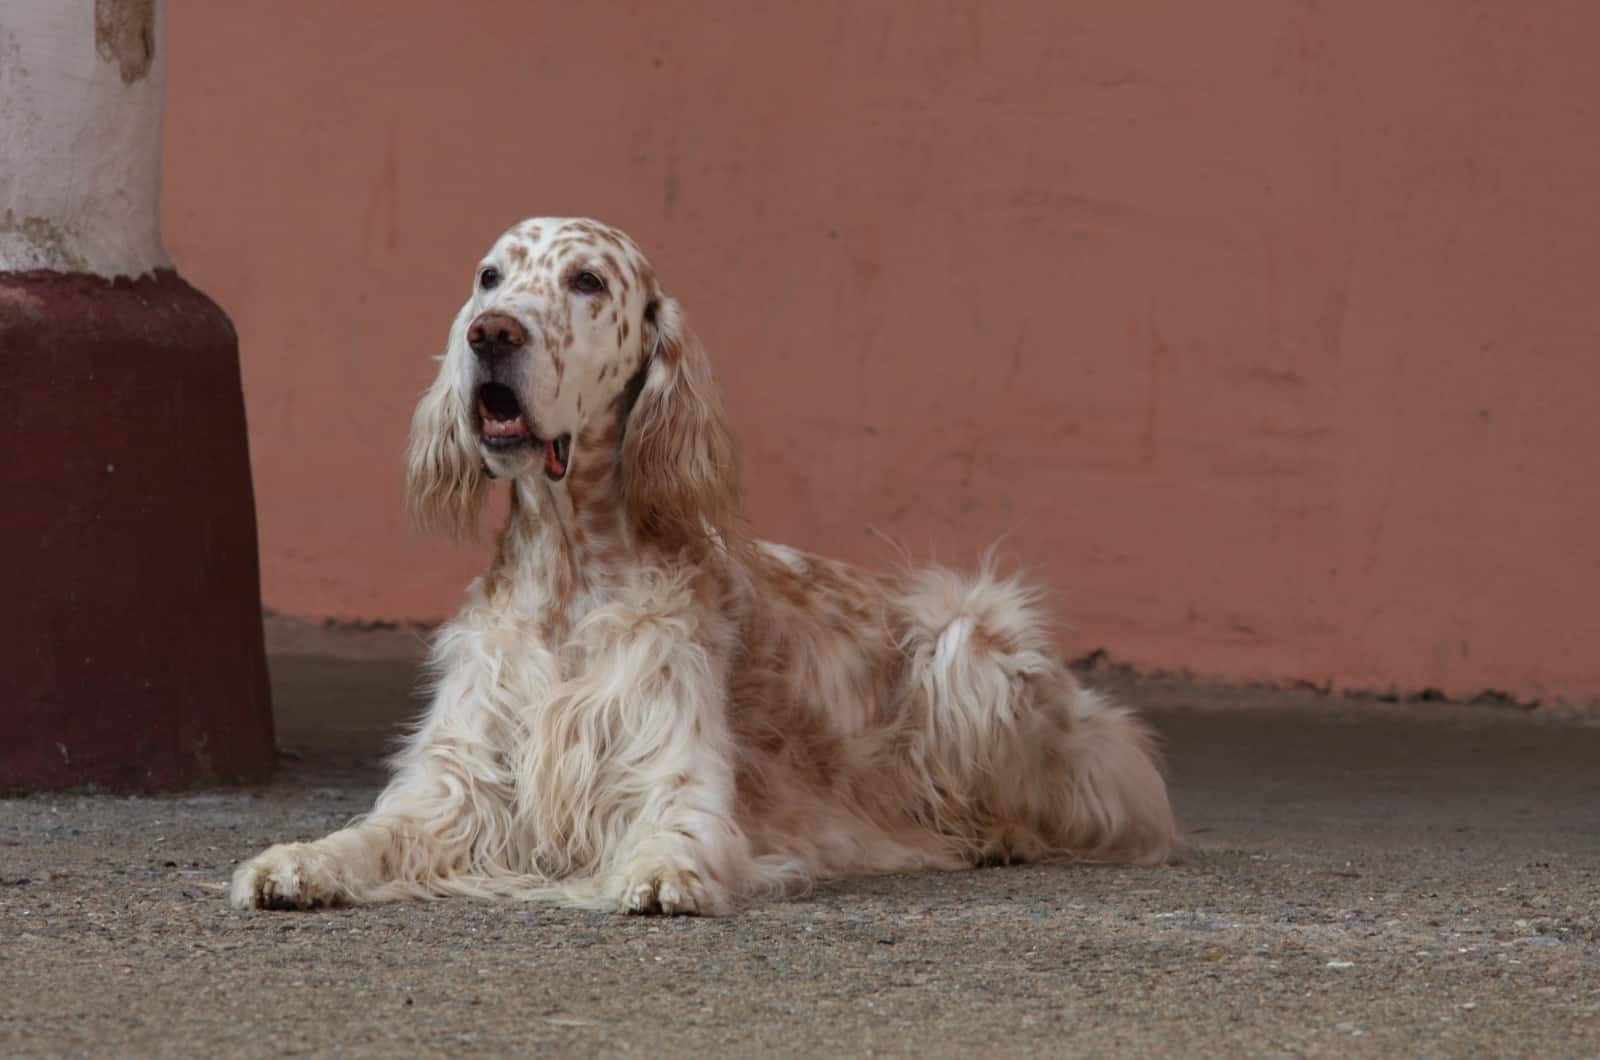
pixel 503 426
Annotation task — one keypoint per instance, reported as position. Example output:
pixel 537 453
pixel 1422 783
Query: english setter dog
pixel 642 708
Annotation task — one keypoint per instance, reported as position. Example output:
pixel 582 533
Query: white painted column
pixel 80 136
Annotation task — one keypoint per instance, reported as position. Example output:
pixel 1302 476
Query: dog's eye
pixel 489 278
pixel 588 283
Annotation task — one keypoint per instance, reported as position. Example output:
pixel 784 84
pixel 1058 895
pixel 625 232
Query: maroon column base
pixel 130 602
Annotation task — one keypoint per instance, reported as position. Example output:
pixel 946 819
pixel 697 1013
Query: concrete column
pixel 130 620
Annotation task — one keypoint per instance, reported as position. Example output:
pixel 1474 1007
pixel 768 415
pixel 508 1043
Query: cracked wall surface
pixel 1268 341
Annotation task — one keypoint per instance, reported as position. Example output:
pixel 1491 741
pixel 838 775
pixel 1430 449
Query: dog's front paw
pixel 288 876
pixel 658 886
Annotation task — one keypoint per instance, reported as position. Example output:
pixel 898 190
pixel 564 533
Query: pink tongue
pixel 552 462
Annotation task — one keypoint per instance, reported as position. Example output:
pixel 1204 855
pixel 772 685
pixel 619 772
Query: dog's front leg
pixel 686 855
pixel 353 865
pixel 671 759
pixel 416 840
pixel 421 838
pixel 444 813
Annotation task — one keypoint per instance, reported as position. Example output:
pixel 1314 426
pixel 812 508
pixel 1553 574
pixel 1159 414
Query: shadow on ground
pixel 1368 879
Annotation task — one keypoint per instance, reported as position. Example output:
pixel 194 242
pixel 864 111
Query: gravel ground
pixel 1370 879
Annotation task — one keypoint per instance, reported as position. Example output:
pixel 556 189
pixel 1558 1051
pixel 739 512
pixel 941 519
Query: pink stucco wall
pixel 1267 331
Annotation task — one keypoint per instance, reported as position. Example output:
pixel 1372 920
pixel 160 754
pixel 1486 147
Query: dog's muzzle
pixel 504 427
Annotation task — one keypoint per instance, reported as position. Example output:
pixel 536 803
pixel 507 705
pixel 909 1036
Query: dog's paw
pixel 655 886
pixel 288 876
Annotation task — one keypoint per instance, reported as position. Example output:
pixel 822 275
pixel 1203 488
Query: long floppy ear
pixel 679 468
pixel 445 480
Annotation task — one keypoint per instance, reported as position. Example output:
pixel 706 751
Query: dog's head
pixel 566 333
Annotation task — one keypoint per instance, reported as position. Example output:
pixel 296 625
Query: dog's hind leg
pixel 1104 798
pixel 1026 762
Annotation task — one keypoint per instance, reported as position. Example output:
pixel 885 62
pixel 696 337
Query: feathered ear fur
pixel 445 480
pixel 679 466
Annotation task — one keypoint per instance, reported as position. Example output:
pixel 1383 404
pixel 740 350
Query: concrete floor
pixel 1371 879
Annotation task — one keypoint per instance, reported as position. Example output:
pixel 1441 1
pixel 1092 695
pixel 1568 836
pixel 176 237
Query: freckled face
pixel 550 338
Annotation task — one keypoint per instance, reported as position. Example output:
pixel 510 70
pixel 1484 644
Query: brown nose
pixel 493 335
